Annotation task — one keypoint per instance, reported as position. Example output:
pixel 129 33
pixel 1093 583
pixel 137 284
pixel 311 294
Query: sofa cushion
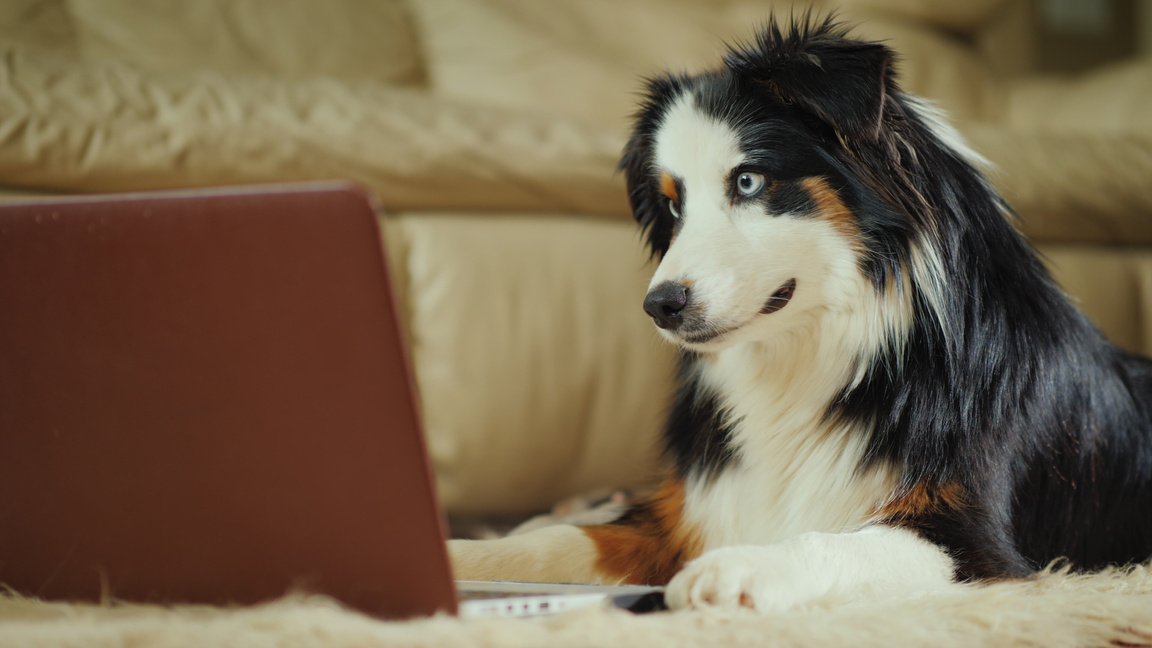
pixel 1073 187
pixel 40 24
pixel 956 15
pixel 1113 100
pixel 579 59
pixel 586 59
pixel 110 126
pixel 538 372
pixel 1112 286
pixel 934 66
pixel 346 39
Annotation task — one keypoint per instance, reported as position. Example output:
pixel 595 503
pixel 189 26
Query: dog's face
pixel 745 200
pixel 758 237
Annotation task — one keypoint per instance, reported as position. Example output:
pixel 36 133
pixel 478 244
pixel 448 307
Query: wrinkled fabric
pixel 71 126
pixel 1073 188
pixel 586 59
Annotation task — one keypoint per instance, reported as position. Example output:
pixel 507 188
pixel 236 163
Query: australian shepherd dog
pixel 881 388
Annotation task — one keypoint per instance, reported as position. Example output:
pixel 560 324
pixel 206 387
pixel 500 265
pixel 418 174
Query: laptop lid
pixel 204 397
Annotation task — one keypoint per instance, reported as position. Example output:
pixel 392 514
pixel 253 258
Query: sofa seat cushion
pixel 539 373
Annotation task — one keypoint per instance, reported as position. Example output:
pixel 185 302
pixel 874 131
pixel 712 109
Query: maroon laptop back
pixel 204 397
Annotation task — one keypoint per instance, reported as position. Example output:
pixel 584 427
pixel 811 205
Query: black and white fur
pixel 880 386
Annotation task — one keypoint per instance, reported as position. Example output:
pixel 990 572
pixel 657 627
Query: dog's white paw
pixel 823 568
pixel 762 578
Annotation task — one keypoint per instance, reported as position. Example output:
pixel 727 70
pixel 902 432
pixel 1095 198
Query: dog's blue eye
pixel 749 184
pixel 673 208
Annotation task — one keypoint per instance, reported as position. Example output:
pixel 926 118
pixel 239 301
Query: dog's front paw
pixel 763 578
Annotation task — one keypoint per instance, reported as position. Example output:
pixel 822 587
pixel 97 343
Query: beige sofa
pixel 489 130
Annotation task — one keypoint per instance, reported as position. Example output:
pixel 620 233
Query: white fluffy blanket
pixel 1056 609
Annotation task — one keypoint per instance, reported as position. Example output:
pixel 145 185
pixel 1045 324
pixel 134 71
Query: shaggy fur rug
pixel 1113 608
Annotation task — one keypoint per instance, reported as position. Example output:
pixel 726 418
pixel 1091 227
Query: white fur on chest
pixel 794 472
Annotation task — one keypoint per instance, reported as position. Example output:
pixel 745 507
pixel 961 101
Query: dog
pixel 881 388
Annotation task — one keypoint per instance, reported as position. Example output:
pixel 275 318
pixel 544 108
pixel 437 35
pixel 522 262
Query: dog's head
pixel 744 183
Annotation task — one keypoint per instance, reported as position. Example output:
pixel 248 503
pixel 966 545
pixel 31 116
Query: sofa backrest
pixel 350 40
pixel 584 59
pixel 574 58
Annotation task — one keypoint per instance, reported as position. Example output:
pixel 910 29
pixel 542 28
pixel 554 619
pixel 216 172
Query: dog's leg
pixel 813 567
pixel 646 545
pixel 561 553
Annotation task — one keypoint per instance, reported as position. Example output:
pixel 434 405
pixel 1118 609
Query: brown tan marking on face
pixel 830 208
pixel 651 543
pixel 668 186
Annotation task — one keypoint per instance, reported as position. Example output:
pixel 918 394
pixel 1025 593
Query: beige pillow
pixel 345 39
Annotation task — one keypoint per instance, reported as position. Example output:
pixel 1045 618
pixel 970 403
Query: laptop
pixel 205 397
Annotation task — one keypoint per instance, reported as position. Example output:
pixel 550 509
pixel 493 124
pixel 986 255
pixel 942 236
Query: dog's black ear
pixel 814 65
pixel 636 163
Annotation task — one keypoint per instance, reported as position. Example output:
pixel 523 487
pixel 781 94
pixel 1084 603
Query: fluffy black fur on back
pixel 1029 433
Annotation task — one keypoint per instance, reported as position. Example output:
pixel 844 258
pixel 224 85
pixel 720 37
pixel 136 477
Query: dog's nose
pixel 665 302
